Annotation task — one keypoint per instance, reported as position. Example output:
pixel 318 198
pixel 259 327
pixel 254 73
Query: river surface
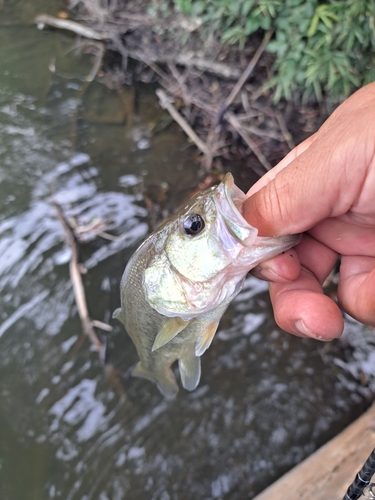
pixel 71 428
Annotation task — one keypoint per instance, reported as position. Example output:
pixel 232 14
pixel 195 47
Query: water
pixel 70 428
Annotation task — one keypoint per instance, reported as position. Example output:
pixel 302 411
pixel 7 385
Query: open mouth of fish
pixel 229 200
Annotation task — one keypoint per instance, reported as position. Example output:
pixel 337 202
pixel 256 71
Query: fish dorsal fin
pixel 204 341
pixel 169 330
pixel 190 370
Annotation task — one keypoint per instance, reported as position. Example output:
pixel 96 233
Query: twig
pixel 95 67
pixel 243 118
pixel 110 237
pixel 94 225
pixel 75 276
pixel 155 68
pixel 45 20
pixel 245 75
pixel 80 298
pixel 284 130
pixel 122 50
pixel 101 325
pixel 249 141
pixel 188 60
pixel 245 102
pixel 181 80
pixel 166 104
pixel 98 62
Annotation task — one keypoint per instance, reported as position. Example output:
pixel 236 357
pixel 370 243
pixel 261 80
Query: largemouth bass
pixel 178 284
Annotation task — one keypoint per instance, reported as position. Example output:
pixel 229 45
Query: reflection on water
pixel 70 430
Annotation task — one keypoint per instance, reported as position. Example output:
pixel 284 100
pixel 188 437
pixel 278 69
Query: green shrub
pixel 320 47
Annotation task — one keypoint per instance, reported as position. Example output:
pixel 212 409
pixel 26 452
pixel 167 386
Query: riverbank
pixel 215 92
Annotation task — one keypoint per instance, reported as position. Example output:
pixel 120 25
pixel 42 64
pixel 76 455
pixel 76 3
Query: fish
pixel 179 282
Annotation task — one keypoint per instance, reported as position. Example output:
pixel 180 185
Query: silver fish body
pixel 178 284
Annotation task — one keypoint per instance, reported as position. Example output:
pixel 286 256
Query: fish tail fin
pixel 165 381
pixel 190 370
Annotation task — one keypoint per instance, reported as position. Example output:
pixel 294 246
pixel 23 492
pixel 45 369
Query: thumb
pixel 297 198
pixel 322 177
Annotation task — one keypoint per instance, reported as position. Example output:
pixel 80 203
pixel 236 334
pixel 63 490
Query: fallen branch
pixel 249 141
pixel 75 276
pixel 166 104
pixel 65 24
pixel 79 294
pixel 188 59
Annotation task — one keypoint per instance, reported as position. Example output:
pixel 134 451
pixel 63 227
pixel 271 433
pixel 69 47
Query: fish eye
pixel 193 224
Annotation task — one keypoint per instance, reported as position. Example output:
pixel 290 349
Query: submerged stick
pixel 166 104
pixel 75 276
pixel 80 298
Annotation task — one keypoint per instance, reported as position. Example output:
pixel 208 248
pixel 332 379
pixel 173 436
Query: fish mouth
pixel 229 200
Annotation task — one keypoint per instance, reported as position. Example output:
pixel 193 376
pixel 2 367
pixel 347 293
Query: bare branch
pixel 249 141
pixel 166 104
pixel 245 75
pixel 75 276
pixel 45 20
pixel 284 130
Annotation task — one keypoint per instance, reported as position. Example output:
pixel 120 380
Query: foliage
pixel 320 47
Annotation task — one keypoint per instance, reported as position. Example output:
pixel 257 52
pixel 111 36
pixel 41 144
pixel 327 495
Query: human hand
pixel 325 188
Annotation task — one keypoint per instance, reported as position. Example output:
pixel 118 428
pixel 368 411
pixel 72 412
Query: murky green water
pixel 68 428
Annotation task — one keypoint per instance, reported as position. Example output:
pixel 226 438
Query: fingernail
pixel 267 274
pixel 303 330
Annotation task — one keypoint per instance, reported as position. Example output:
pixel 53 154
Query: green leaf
pixel 320 46
pixel 313 26
pixel 246 7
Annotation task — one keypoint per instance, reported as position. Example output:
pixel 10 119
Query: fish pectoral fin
pixel 165 381
pixel 171 328
pixel 204 341
pixel 190 370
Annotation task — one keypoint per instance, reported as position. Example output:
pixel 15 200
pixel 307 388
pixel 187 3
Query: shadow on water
pixel 266 400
